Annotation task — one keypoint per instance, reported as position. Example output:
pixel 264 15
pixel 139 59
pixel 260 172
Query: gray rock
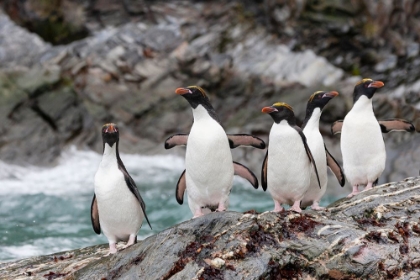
pixel 372 235
pixel 387 63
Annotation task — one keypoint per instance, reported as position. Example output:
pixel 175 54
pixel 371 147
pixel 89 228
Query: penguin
pixel 322 157
pixel 287 167
pixel 362 144
pixel 117 207
pixel 209 171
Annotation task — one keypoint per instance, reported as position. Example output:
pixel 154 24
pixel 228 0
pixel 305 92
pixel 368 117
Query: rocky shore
pixel 374 235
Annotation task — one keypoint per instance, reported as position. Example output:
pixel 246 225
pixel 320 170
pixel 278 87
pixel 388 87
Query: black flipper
pixel 180 188
pixel 336 127
pixel 176 140
pixel 244 172
pixel 308 152
pixel 335 168
pixel 94 216
pixel 236 140
pixel 264 172
pixel 133 188
pixel 396 125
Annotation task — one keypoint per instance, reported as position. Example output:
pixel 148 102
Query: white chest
pixel 208 145
pixel 316 145
pixel 120 213
pixel 109 180
pixel 209 167
pixel 362 144
pixel 288 171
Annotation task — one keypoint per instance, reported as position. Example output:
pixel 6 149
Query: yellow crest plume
pixel 282 104
pixel 364 81
pixel 313 95
pixel 200 89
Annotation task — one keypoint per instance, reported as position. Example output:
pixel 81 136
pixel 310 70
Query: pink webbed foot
pixel 198 213
pixel 221 207
pixel 369 186
pixel 315 206
pixel 112 249
pixel 131 240
pixel 355 191
pixel 277 207
pixel 296 207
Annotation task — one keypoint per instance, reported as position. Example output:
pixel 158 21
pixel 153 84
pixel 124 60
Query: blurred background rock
pixel 67 67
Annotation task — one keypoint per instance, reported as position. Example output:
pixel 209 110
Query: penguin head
pixel 280 111
pixel 320 98
pixel 110 134
pixel 195 95
pixel 366 87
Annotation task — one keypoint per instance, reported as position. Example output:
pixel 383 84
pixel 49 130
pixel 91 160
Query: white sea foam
pixel 76 170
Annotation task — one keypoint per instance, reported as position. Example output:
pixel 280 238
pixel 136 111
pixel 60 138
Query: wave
pixel 76 170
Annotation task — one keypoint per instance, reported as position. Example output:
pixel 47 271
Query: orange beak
pixel 268 110
pixel 331 94
pixel 110 129
pixel 376 84
pixel 182 91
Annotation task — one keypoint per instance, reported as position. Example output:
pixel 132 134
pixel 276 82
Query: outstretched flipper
pixel 388 125
pixel 264 172
pixel 335 168
pixel 336 127
pixel 176 140
pixel 180 188
pixel 94 215
pixel 308 152
pixel 236 140
pixel 244 172
pixel 396 125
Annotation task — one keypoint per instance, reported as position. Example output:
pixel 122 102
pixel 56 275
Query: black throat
pixel 287 115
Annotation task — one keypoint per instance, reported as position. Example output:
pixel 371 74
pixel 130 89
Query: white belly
pixel 209 167
pixel 316 145
pixel 288 172
pixel 120 213
pixel 362 147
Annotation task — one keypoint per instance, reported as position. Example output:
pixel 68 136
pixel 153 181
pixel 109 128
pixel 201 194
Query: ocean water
pixel 47 210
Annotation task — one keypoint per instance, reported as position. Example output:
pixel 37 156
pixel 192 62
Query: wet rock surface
pixel 374 235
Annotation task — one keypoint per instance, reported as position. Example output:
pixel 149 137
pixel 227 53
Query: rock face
pixel 247 54
pixel 374 235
